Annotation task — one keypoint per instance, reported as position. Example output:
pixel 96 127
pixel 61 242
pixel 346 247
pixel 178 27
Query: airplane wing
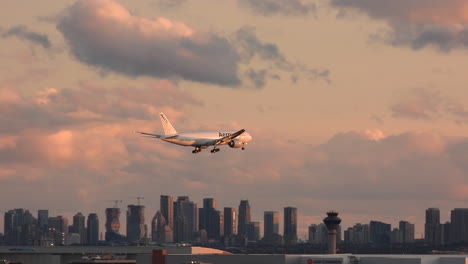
pixel 228 138
pixel 156 135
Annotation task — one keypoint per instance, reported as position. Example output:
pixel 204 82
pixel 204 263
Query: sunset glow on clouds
pixel 336 120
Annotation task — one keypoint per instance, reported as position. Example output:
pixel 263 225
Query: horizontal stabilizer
pixel 157 136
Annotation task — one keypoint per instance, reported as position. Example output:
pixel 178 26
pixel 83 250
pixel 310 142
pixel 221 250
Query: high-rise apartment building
pixel 271 224
pixel 230 221
pixel 379 232
pixel 459 225
pixel 318 234
pixel 407 232
pixel 290 225
pixel 92 229
pixel 432 227
pixel 167 209
pixel 79 227
pixel 358 234
pixel 244 217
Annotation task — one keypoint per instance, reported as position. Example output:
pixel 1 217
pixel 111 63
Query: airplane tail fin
pixel 168 128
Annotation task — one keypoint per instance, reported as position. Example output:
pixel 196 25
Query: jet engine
pixel 235 143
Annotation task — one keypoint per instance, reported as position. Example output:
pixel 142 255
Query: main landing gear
pixel 215 150
pixel 196 150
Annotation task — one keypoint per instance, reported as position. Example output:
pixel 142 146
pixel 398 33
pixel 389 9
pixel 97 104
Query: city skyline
pixel 23 229
pixel 355 107
pixel 302 231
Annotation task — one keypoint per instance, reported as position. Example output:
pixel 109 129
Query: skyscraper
pixel 209 203
pixel 290 225
pixel 43 218
pixel 230 221
pixel 204 214
pixel 253 231
pixel 185 219
pixel 166 209
pixel 11 228
pixel 79 227
pixel 211 220
pixel 112 224
pixel 459 225
pixel 59 228
pixel 135 223
pixel 93 229
pixel 432 227
pixel 271 223
pixel 244 217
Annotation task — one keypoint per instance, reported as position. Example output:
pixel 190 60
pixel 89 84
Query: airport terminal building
pixel 200 255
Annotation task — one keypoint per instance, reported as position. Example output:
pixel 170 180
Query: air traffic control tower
pixel 332 222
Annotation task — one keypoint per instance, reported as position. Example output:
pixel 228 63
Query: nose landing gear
pixel 196 150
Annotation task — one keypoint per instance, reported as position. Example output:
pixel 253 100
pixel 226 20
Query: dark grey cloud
pixel 279 7
pixel 169 4
pixel 23 33
pixel 118 41
pixel 252 48
pixel 258 78
pixel 415 23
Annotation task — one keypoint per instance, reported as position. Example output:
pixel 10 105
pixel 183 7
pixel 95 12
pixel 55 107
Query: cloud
pixel 278 7
pixel 416 23
pixel 429 104
pixel 258 78
pixel 420 103
pixel 169 4
pixel 22 32
pixel 104 34
pixel 252 49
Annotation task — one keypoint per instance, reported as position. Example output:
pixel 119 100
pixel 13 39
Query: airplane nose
pixel 249 137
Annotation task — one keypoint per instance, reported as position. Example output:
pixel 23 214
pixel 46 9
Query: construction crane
pixel 138 198
pixel 116 202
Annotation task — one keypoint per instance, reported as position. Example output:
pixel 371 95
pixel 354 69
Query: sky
pixel 358 106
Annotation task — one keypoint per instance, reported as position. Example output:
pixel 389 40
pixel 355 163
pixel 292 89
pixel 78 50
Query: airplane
pixel 201 140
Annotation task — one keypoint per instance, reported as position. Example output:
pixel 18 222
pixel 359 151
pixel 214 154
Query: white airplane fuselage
pixel 203 139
